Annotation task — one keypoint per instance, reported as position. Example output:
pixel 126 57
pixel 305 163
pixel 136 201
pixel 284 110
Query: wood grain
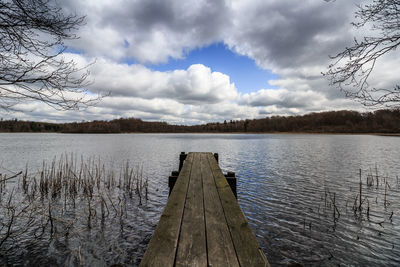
pixel 162 246
pixel 221 251
pixel 202 223
pixel 192 250
pixel 245 243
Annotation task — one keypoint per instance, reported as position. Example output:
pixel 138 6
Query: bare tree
pixel 32 66
pixel 353 66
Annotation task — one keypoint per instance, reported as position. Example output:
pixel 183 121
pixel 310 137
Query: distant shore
pixel 223 133
pixel 380 122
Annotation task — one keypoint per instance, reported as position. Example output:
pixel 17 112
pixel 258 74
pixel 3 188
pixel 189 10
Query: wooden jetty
pixel 202 223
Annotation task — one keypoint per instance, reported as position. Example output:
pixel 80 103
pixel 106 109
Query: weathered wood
pixel 231 179
pixel 202 223
pixel 246 245
pixel 182 158
pixel 171 183
pixel 221 251
pixel 161 250
pixel 172 180
pixel 192 250
pixel 216 156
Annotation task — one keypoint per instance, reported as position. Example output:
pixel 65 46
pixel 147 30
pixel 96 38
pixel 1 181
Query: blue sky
pixel 243 71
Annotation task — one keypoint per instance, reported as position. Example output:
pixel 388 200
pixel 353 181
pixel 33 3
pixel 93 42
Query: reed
pixel 385 199
pixel 371 200
pixel 359 207
pixel 66 192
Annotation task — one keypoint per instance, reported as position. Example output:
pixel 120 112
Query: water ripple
pixel 286 185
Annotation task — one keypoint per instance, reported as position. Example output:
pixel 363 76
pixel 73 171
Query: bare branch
pixel 353 66
pixel 32 66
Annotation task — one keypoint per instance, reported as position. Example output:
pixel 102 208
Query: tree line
pixel 344 121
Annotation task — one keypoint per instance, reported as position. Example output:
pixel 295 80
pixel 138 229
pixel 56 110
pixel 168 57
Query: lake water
pixel 291 188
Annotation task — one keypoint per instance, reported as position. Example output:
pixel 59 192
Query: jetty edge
pixel 202 223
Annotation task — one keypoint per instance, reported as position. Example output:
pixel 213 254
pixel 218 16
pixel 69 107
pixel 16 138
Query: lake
pixel 299 193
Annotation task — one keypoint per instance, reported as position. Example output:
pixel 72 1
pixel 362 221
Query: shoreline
pixel 221 133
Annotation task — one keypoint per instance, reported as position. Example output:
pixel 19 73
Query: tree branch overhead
pixel 353 66
pixel 32 65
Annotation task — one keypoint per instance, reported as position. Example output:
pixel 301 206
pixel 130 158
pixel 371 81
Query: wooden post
pixel 216 156
pixel 172 180
pixel 182 158
pixel 231 179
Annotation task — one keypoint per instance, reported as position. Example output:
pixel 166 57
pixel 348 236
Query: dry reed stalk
pixel 359 207
pixel 355 204
pixel 90 214
pixel 384 201
pixel 51 219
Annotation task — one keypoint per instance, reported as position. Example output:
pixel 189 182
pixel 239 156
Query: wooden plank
pixel 161 250
pixel 221 251
pixel 192 240
pixel 245 243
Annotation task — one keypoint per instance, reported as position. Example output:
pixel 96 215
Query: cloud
pixel 149 31
pixel 155 106
pixel 195 85
pixel 288 34
pixel 136 91
pixel 282 98
pixel 293 39
pixel 273 33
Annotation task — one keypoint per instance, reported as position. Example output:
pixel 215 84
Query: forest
pixel 344 121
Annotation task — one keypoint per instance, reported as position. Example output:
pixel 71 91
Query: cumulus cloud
pixel 283 98
pixel 149 31
pixel 293 39
pixel 156 106
pixel 287 34
pixel 178 96
pixel 273 33
pixel 195 85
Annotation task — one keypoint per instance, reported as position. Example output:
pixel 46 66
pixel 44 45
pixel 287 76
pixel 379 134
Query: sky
pixel 198 61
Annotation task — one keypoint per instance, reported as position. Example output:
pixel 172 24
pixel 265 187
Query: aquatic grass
pixel 365 214
pixel 377 187
pixel 67 197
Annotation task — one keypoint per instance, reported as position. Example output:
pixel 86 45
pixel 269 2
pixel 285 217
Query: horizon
pixel 212 122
